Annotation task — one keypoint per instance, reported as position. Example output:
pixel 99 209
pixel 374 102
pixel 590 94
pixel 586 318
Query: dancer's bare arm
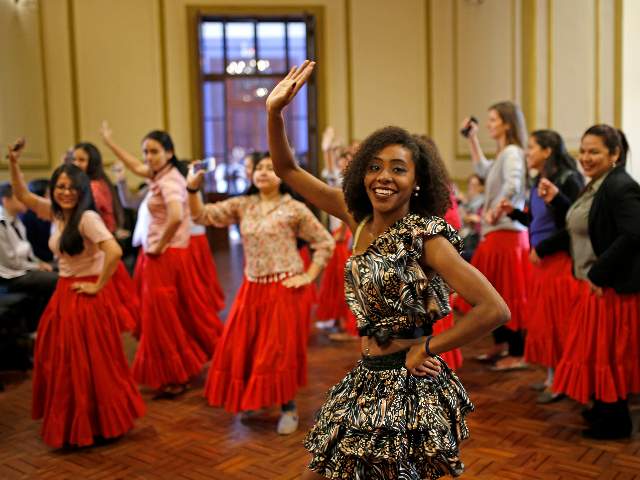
pixel 314 190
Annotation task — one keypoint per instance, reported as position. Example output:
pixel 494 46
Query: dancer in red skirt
pixel 82 387
pixel 261 360
pixel 179 323
pixel 332 305
pixel 554 190
pixel 87 157
pixel 502 255
pixel 600 359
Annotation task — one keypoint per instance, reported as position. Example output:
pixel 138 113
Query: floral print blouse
pixel 269 237
pixel 387 289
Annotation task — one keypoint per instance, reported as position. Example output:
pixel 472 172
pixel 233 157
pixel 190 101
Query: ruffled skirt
pixel 129 303
pixel 382 423
pixel 551 300
pixel 602 352
pixel 82 386
pixel 452 357
pixel 261 359
pixel 503 257
pixel 332 301
pixel 179 327
pixel 207 272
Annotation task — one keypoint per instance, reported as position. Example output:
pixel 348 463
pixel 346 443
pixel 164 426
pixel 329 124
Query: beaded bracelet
pixel 426 346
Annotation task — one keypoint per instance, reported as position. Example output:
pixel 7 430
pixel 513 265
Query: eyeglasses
pixel 64 188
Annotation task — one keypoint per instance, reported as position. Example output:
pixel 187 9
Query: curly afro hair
pixel 431 174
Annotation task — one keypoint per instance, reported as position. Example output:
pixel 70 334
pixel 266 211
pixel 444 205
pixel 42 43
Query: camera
pixel 466 130
pixel 208 165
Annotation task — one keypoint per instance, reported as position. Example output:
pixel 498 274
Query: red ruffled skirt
pixel 82 386
pixel 179 325
pixel 602 352
pixel 551 300
pixel 208 274
pixel 503 257
pixel 332 302
pixel 261 359
pixel 452 357
pixel 129 302
pixel 312 290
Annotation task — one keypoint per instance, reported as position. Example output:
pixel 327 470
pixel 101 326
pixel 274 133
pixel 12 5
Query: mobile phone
pixel 18 145
pixel 208 165
pixel 466 130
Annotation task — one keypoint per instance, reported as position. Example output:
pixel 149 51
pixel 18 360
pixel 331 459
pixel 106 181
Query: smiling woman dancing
pixel 400 413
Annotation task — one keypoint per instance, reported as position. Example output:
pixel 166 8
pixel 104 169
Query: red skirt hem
pixel 179 327
pixel 600 359
pixel 82 385
pixel 552 297
pixel 262 355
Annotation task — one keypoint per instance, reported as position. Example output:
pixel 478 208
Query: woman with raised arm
pixel 179 324
pixel 502 255
pixel 400 413
pixel 261 359
pixel 82 387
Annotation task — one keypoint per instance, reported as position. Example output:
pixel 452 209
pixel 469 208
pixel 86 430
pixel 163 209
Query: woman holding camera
pixel 503 253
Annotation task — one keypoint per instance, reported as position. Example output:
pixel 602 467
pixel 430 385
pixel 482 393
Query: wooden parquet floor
pixel 511 437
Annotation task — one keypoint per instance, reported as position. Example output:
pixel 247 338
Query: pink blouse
pixel 168 186
pixel 91 260
pixel 269 237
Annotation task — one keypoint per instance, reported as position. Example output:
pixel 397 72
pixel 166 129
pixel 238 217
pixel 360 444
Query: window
pixel 241 60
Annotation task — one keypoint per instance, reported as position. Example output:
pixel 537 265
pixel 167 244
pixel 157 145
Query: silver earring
pixel 417 189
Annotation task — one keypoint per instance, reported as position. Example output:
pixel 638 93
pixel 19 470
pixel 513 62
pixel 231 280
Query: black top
pixel 614 230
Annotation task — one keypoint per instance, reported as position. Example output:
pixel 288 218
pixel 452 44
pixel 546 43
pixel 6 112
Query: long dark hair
pixel 511 114
pixel 431 174
pixel 560 160
pixel 95 171
pixel 164 139
pixel 71 242
pixel 614 139
pixel 257 157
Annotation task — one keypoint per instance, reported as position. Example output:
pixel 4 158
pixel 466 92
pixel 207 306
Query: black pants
pixel 39 285
pixel 515 340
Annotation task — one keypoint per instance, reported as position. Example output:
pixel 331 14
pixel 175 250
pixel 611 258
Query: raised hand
pixel 286 90
pixel 327 138
pixel 15 150
pixel 194 178
pixel 105 131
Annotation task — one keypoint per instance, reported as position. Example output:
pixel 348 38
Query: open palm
pixel 286 90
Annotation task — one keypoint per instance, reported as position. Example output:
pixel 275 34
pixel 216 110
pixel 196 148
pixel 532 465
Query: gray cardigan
pixel 505 177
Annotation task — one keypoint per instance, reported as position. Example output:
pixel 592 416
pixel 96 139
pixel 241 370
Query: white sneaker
pixel 287 423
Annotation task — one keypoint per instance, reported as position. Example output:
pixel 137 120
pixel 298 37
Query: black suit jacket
pixel 614 230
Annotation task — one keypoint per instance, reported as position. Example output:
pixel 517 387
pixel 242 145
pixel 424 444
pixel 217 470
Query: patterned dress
pixel 381 422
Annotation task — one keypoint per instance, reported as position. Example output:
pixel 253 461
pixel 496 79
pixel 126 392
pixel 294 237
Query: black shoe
pixel 589 415
pixel 600 431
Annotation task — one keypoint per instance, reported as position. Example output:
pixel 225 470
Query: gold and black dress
pixel 381 422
